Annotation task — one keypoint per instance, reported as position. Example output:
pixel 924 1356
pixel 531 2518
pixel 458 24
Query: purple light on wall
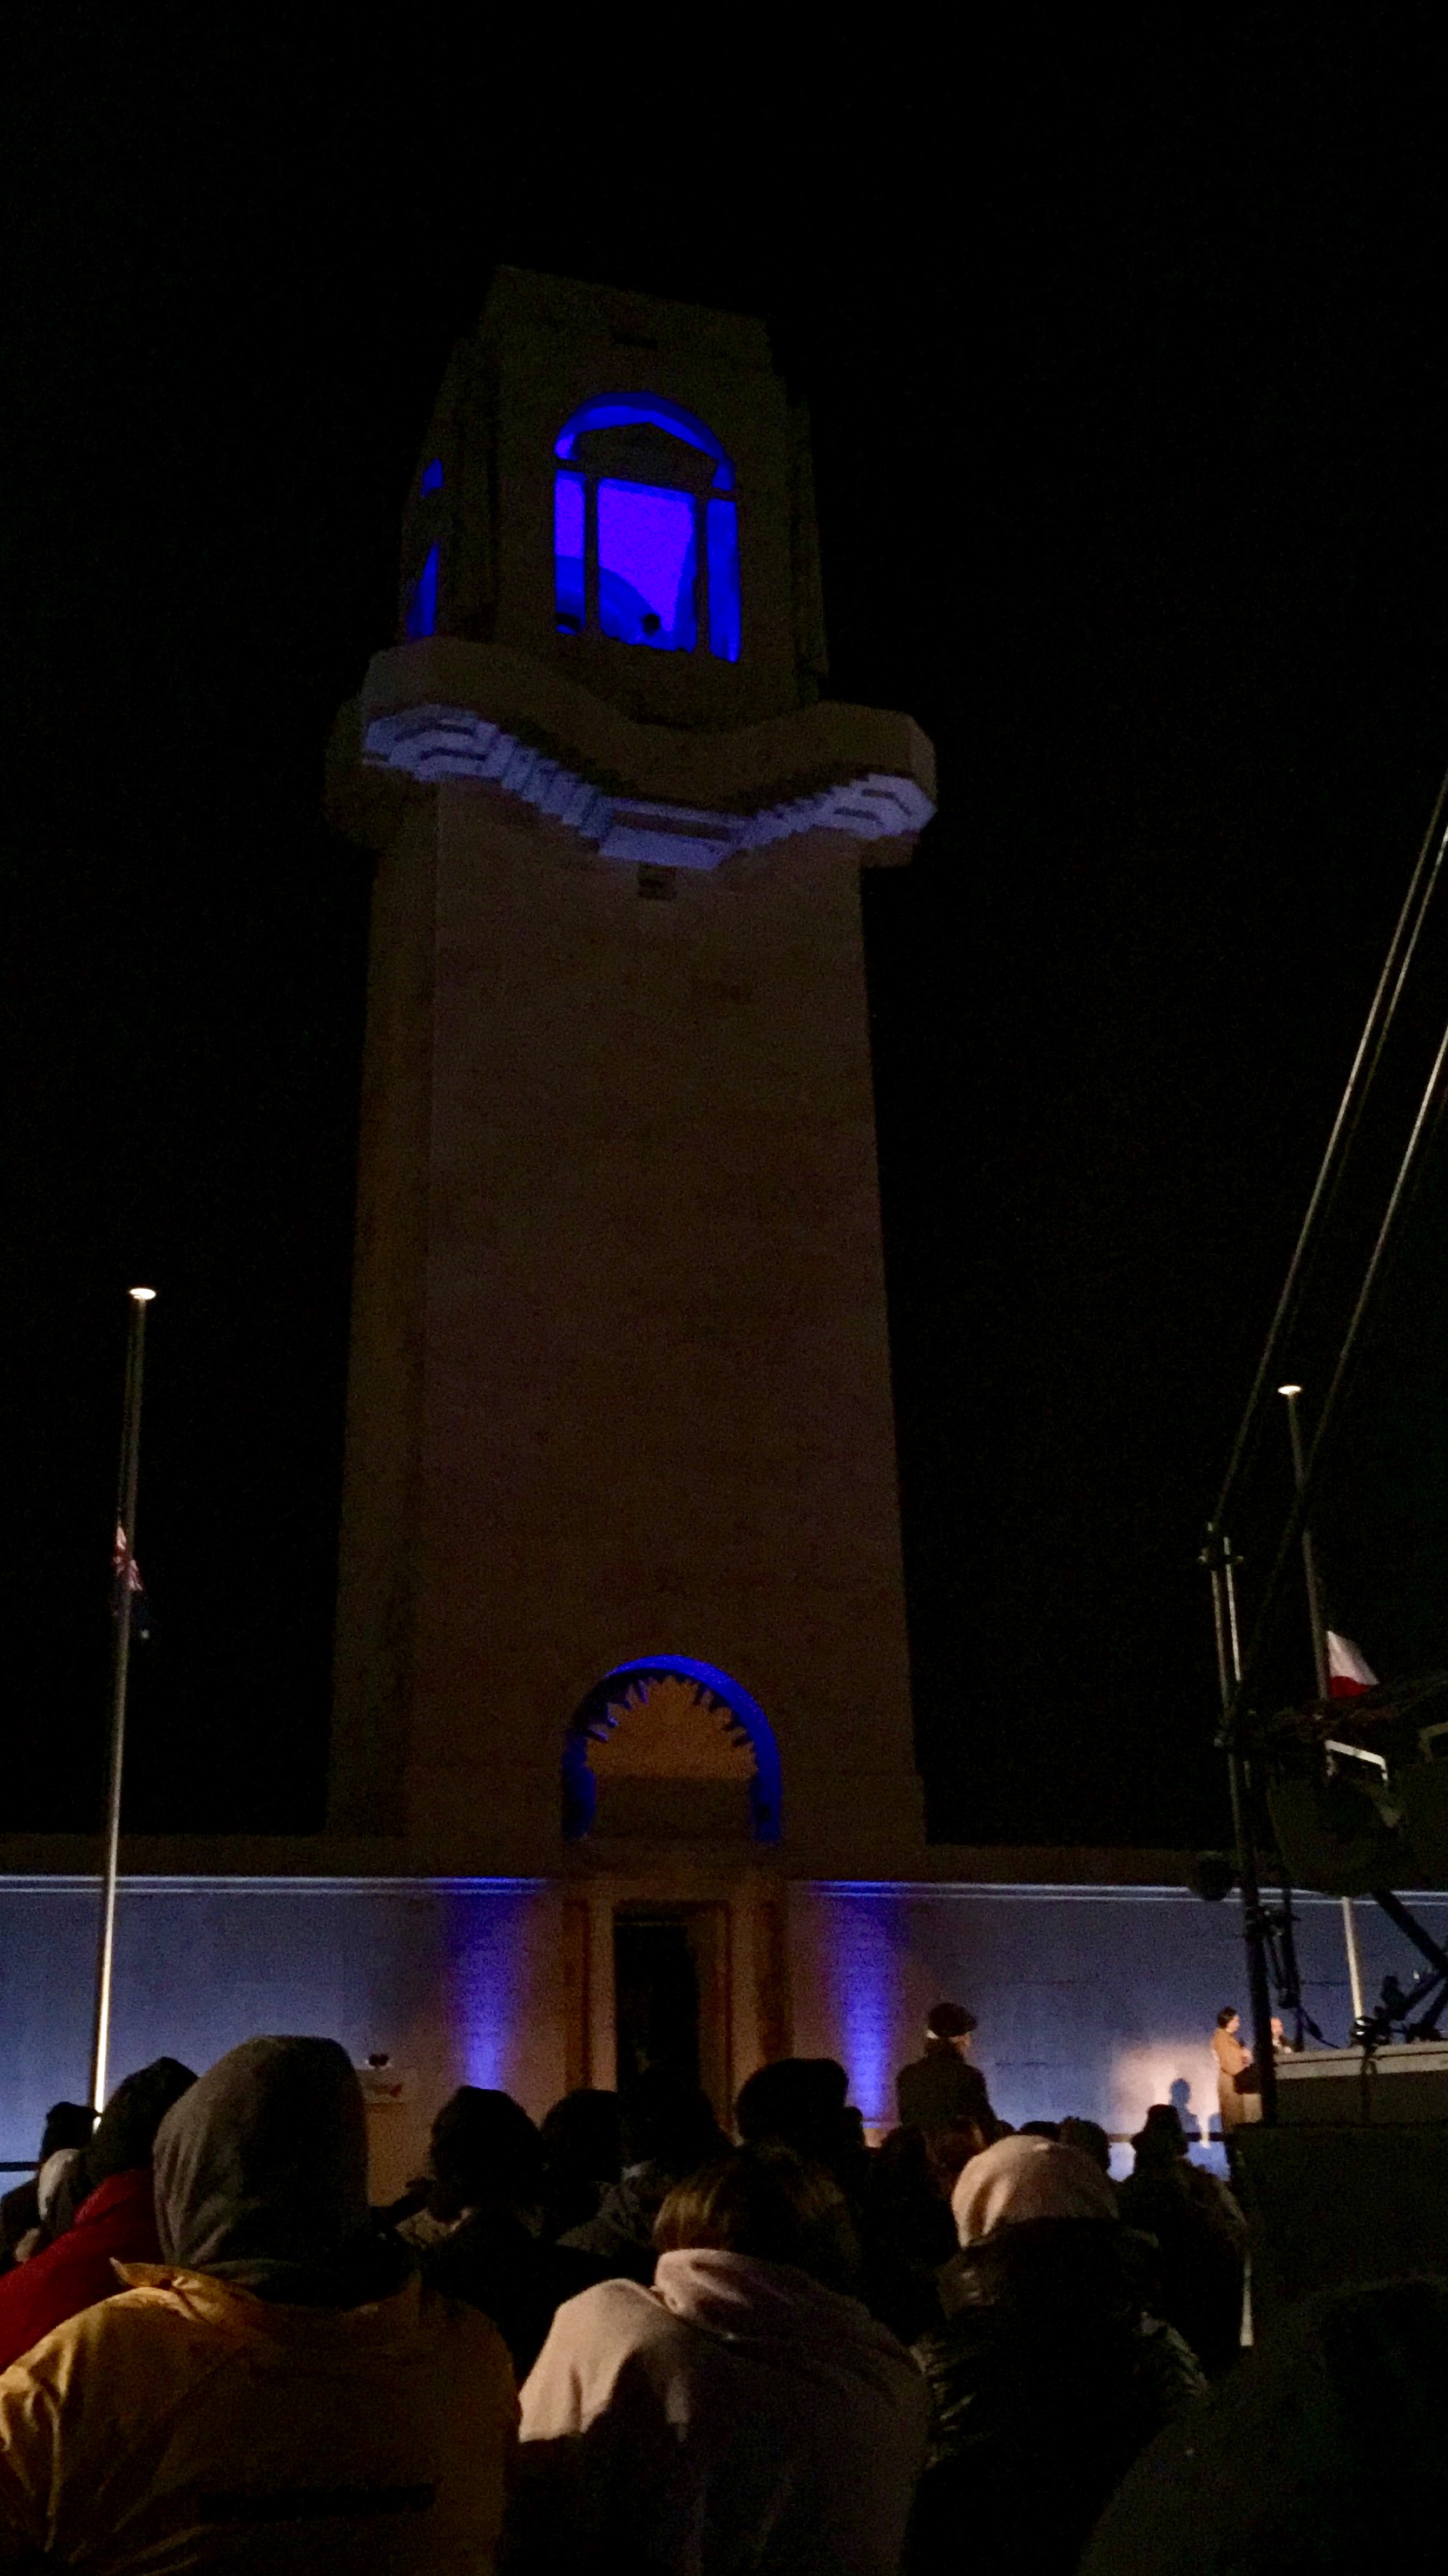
pixel 864 1968
pixel 432 476
pixel 487 1949
pixel 646 558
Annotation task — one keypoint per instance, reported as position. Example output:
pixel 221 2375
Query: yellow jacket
pixel 189 2424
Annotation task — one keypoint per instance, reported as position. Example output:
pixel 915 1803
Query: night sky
pixel 1128 403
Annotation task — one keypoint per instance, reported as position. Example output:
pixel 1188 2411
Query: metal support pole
pixel 1354 1964
pixel 1412 1930
pixel 1317 1620
pixel 1229 1676
pixel 120 1674
pixel 1292 1396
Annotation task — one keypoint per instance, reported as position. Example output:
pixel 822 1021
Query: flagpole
pixel 120 1675
pixel 1291 1395
pixel 1220 1564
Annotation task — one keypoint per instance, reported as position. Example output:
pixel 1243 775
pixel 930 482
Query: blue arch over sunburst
pixel 587 1725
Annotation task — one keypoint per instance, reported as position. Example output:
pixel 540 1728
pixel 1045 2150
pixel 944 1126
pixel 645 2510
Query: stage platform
pixel 1364 2088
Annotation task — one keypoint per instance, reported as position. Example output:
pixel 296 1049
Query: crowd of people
pixel 620 2339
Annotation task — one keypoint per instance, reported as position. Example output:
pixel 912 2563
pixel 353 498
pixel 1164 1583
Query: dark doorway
pixel 656 1996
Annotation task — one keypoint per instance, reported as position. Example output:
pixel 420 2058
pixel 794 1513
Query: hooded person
pixel 279 2391
pixel 107 2184
pixel 122 2139
pixel 1047 2377
pixel 744 2412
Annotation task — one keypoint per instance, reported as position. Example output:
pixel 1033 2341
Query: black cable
pixel 1429 1107
pixel 1376 1027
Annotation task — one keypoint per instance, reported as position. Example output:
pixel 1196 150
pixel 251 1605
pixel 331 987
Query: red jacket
pixel 118 2219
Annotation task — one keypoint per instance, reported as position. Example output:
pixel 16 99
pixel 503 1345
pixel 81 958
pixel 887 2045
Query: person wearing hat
pixel 1200 2235
pixel 942 2090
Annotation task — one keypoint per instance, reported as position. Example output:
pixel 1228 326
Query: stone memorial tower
pixel 622 1769
pixel 621 1602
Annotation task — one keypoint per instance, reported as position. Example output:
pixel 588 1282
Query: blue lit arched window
pixel 646 562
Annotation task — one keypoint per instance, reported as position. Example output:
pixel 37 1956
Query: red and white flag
pixel 128 1587
pixel 123 1565
pixel 1349 1673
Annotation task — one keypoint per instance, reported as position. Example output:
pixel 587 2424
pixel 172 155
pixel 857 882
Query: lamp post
pixel 125 1560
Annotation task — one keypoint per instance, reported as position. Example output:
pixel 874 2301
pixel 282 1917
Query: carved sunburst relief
pixel 670 1718
pixel 663 1727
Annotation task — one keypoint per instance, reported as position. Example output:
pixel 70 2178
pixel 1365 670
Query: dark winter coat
pixel 1320 2455
pixel 1202 2240
pixel 941 2090
pixel 906 2233
pixel 1046 2382
pixel 496 2263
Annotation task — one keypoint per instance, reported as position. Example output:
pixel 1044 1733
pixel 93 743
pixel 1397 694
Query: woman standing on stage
pixel 1235 2100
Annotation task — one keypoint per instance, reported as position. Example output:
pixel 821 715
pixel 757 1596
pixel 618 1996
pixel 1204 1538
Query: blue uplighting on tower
pixel 421 617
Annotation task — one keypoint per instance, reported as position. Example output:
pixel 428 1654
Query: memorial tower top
pixel 618 486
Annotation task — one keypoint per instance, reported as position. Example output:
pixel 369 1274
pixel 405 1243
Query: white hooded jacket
pixel 738 2416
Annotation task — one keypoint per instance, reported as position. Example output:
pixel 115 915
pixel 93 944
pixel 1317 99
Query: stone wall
pixel 1095 2001
pixel 1092 2001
